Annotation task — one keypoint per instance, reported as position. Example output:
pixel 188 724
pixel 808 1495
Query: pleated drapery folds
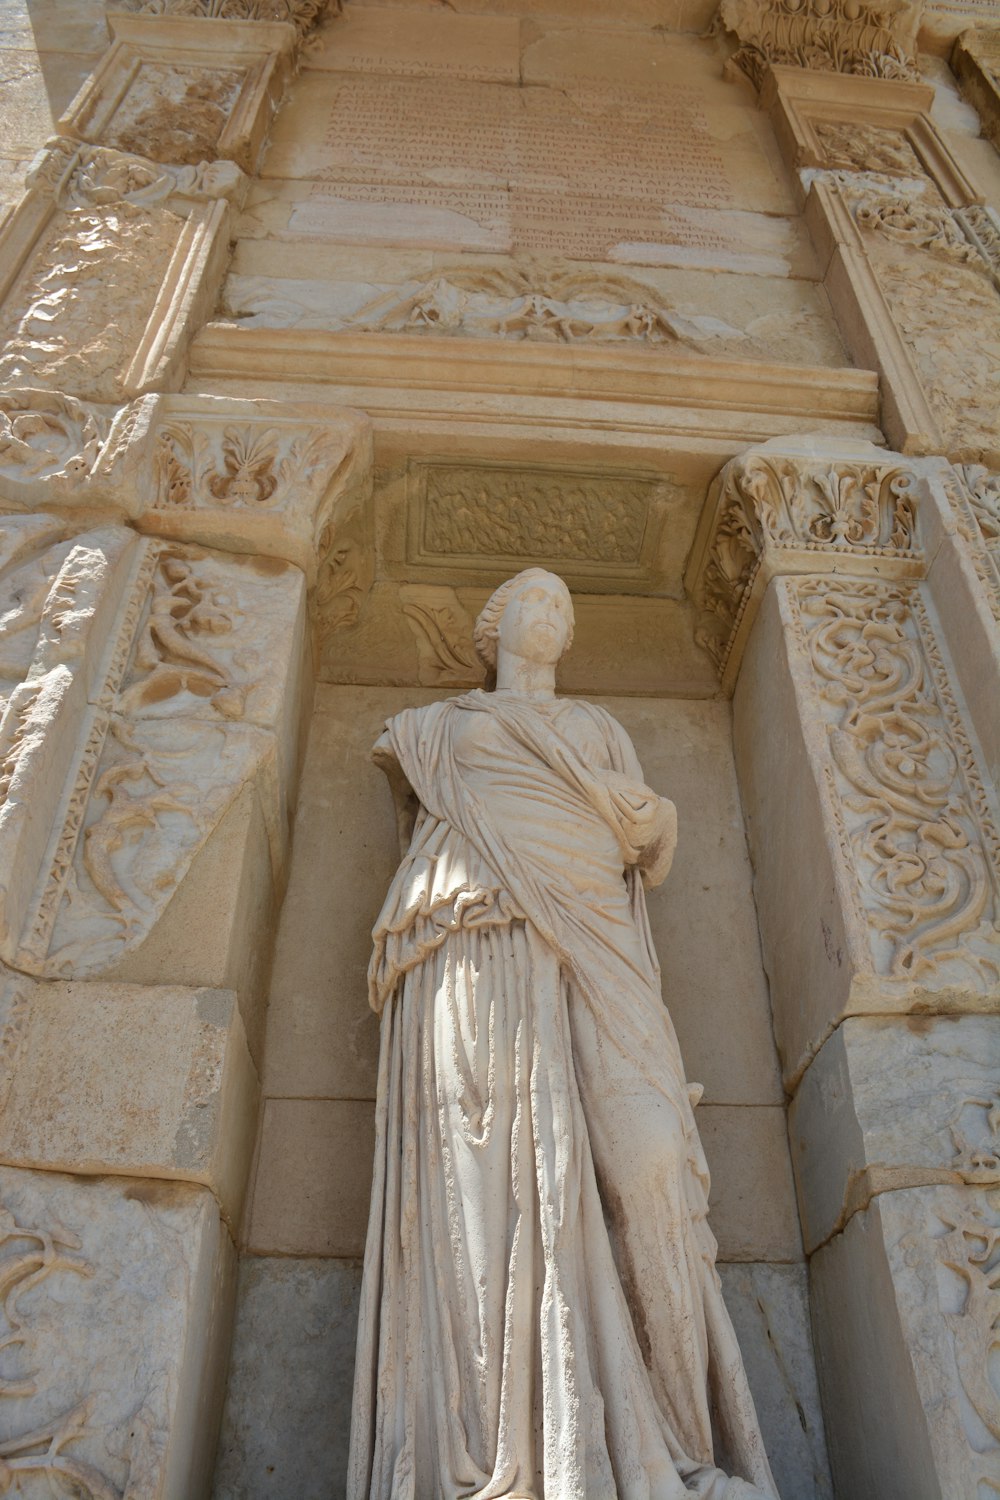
pixel 541 1316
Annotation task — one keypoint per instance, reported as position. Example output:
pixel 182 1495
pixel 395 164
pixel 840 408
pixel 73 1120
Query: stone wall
pixel 316 323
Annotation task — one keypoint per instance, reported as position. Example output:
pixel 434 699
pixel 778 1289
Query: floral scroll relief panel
pixel 904 790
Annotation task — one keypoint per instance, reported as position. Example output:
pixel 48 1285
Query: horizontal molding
pixel 474 367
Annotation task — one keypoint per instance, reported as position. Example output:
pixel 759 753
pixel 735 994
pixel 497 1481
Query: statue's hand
pixel 647 826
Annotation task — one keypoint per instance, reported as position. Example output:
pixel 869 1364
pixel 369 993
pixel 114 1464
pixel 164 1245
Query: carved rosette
pixel 770 513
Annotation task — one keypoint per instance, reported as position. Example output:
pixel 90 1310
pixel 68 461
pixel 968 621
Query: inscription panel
pixel 589 172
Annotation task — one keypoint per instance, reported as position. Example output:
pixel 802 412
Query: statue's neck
pixel 529 679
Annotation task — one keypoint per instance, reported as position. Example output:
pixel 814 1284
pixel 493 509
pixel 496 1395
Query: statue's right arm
pixel 403 795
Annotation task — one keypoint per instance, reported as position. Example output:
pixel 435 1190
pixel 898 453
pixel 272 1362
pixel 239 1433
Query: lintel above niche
pixel 473 523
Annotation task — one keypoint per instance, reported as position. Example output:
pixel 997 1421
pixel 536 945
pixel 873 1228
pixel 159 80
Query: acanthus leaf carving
pixel 302 14
pixel 446 655
pixel 919 818
pixel 855 147
pixel 769 505
pixel 872 38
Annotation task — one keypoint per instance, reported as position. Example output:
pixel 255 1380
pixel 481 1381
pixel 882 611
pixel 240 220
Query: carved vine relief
pixel 28 1257
pixel 967 1247
pixel 919 821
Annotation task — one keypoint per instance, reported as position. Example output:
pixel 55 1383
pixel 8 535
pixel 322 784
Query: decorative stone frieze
pixel 905 1308
pixel 115 1291
pixel 302 14
pixel 149 683
pixel 779 511
pixel 182 92
pixel 918 288
pixel 874 38
pixel 975 60
pixel 863 124
pixel 94 218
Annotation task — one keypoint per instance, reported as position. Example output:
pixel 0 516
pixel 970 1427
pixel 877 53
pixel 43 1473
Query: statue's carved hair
pixel 487 628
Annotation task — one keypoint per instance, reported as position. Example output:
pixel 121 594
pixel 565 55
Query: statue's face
pixel 537 620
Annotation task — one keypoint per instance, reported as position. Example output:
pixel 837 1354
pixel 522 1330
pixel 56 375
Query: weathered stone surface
pixel 769 1306
pixel 285 1429
pixel 894 1103
pixel 150 683
pixel 152 1082
pixel 118 1299
pixel 891 1102
pixel 752 1202
pixel 313 1179
pixel 904 1307
pixel 286 1425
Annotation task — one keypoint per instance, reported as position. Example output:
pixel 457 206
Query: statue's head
pixel 531 615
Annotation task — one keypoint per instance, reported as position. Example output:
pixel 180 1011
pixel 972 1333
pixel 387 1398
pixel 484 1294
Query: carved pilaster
pixel 92 219
pixel 847 595
pixel 181 91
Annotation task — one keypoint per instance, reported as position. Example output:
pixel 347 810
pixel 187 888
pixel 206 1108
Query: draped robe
pixel 541 1316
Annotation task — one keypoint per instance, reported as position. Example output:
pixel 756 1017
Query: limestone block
pixel 148 1082
pixel 852 743
pixel 313 1179
pixel 904 1307
pixel 287 1419
pixel 119 1296
pixel 93 218
pixel 769 1306
pixel 179 90
pixel 975 59
pixel 752 1199
pixel 426 43
pixel 893 1102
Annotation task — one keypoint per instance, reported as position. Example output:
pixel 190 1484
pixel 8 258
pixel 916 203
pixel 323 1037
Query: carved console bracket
pixel 184 91
pixel 257 477
pixel 874 38
pixel 779 510
pixel 93 218
pixel 975 61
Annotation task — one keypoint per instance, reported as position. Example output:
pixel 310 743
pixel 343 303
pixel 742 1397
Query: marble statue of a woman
pixel 541 1316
